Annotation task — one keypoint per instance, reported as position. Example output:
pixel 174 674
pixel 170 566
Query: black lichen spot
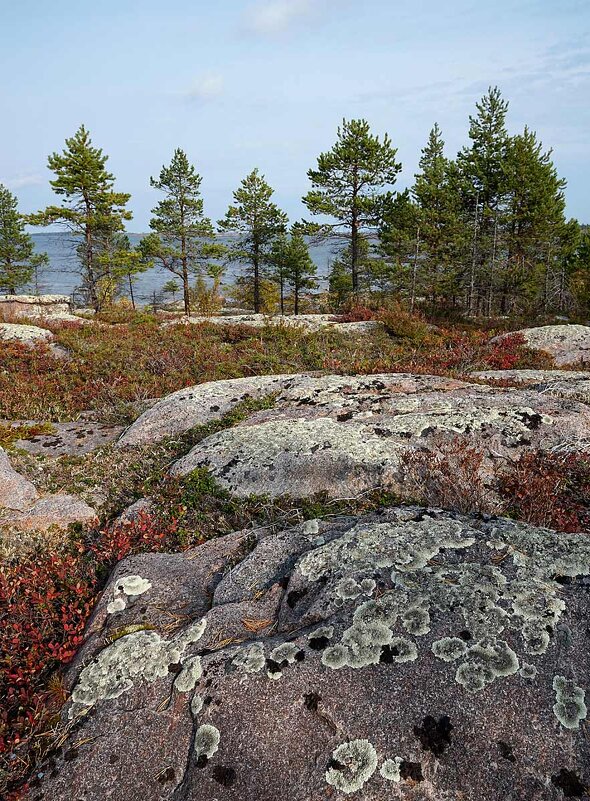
pixel 167 775
pixel 532 421
pixel 214 408
pixel 113 759
pixel 333 763
pixel 175 668
pixel 294 597
pixel 312 701
pixel 224 775
pixel 318 643
pixel 343 416
pixel 272 666
pixel 71 754
pixel 300 656
pixel 506 751
pixel 202 761
pixel 465 635
pixel 569 784
pixel 411 770
pixel 388 654
pixel 435 735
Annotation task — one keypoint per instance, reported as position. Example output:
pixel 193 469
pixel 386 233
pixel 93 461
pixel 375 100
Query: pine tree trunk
pixel 256 265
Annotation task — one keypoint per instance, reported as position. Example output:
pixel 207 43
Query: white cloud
pixel 276 16
pixel 23 181
pixel 206 87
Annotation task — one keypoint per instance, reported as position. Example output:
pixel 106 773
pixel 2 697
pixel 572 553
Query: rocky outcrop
pixel 567 344
pixel 345 435
pixel 561 383
pixel 409 654
pixel 23 509
pixel 50 307
pixel 306 322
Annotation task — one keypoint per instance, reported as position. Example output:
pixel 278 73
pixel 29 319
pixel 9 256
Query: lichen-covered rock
pixel 345 435
pixel 25 334
pixel 54 308
pixel 16 492
pixel 567 344
pixel 70 439
pixel 562 383
pixel 409 653
pixel 197 405
pixel 306 322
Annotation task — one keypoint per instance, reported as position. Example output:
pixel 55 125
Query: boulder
pixel 567 344
pixel 345 435
pixel 561 383
pixel 70 439
pixel 52 511
pixel 410 654
pixel 23 509
pixel 16 492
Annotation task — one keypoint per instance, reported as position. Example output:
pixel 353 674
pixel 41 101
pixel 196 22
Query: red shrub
pixel 45 602
pixel 550 490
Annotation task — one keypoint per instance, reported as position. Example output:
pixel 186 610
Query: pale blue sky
pixel 245 83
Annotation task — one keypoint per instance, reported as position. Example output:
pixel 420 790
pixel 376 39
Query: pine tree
pixel 120 265
pixel 18 260
pixel 255 221
pixel 441 233
pixel 182 238
pixel 349 184
pixel 399 244
pixel 481 167
pixel 298 268
pixel 535 222
pixel 91 209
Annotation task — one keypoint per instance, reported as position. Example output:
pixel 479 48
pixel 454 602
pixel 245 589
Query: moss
pixel 352 765
pixel 569 707
pixel 206 741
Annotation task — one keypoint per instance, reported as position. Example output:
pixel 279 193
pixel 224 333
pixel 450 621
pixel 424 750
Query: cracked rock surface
pixel 410 654
pixel 561 383
pixel 345 435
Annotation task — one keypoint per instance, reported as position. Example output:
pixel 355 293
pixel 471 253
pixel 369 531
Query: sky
pixel 240 84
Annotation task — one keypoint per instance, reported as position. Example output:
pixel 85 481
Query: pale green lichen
pixel 133 585
pixel 197 704
pixel 335 657
pixel 189 675
pixel 569 707
pixel 287 652
pixel 117 605
pixel 403 650
pixel 390 769
pixel 449 649
pixel 528 671
pixel 355 762
pixel 348 589
pixel 206 741
pixel 326 632
pixel 368 585
pixel 139 656
pixel 250 659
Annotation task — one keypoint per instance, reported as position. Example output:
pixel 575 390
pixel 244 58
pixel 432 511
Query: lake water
pixel 60 276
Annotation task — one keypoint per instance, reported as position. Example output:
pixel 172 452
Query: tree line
pixel 484 234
